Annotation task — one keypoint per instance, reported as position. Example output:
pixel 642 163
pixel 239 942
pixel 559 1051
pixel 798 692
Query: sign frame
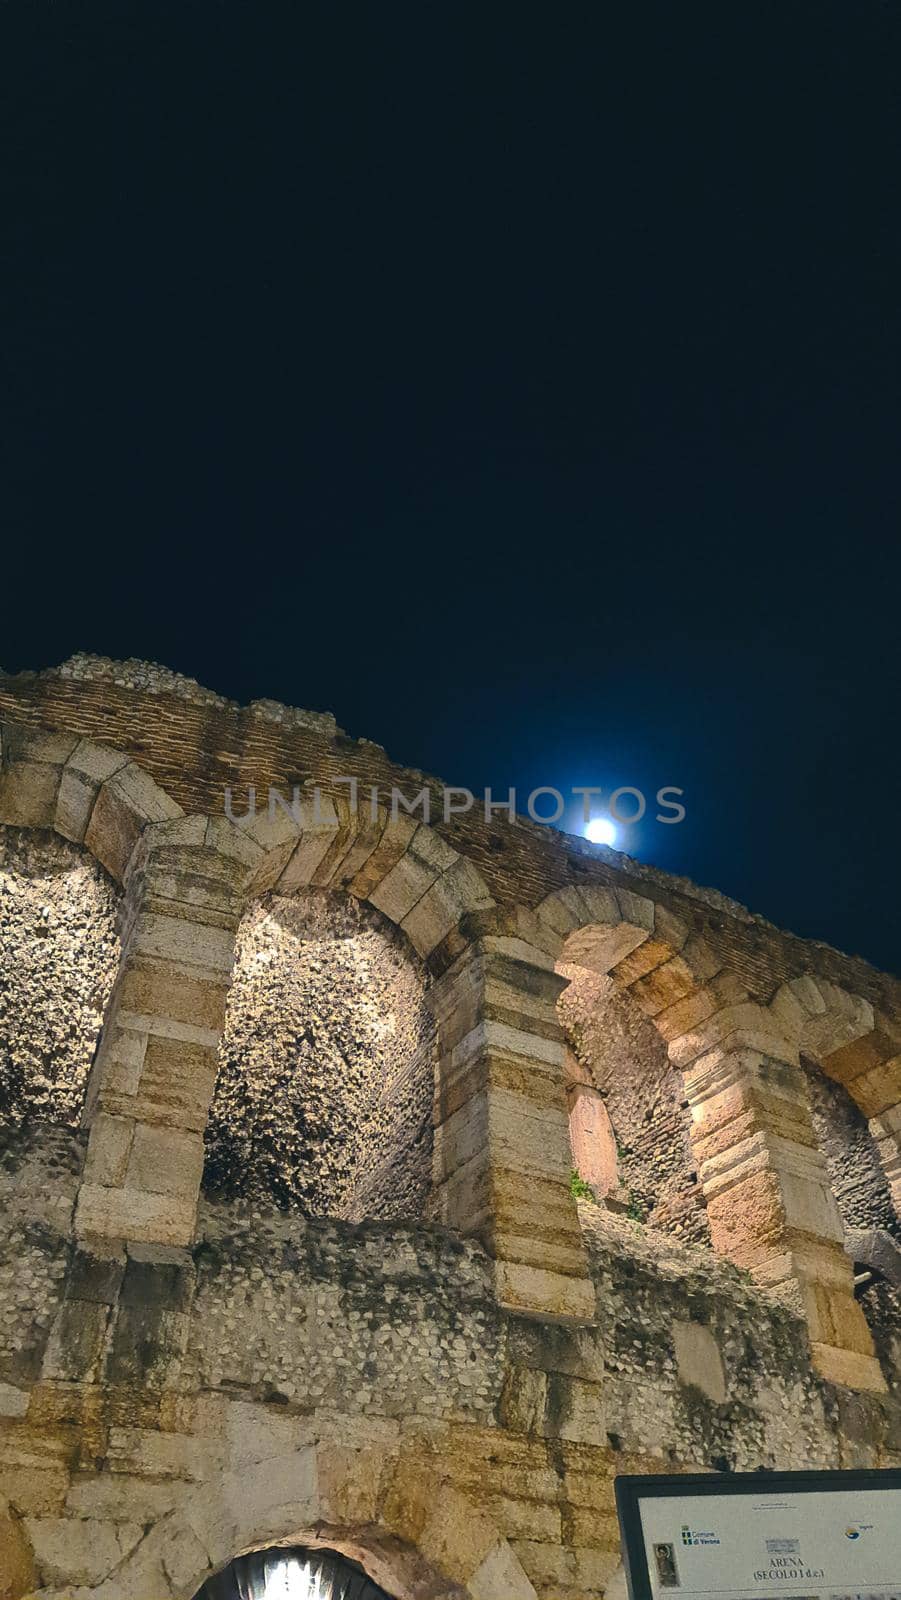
pixel 630 1488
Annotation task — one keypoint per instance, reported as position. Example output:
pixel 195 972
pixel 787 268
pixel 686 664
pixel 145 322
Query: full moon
pixel 601 830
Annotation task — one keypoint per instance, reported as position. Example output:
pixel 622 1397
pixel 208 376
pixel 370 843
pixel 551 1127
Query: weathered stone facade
pixel 436 1372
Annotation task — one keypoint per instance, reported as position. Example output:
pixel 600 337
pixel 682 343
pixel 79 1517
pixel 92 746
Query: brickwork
pixel 445 1398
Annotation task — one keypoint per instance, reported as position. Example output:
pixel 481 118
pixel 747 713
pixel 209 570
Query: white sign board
pixel 804 1536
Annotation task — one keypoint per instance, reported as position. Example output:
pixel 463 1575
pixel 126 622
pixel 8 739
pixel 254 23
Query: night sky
pixel 519 383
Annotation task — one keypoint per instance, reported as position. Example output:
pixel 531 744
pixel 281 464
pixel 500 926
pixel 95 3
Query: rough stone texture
pixel 358 1381
pixel 858 1180
pixel 643 1093
pixel 324 1096
pixel 59 951
pixel 377 1318
pixel 38 1182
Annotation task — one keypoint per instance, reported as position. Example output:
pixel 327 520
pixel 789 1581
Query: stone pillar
pixel 769 1200
pixel 502 1154
pixel 156 1064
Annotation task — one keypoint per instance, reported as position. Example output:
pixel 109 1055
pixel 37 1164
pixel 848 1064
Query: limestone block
pixel 351 848
pixel 600 902
pixel 560 918
pixel 265 1502
pixel 72 1550
pixel 699 1361
pixel 575 1410
pixel 500 1577
pixel 127 801
pixel 878 1089
pixel 397 833
pixel 520 949
pixel 35 1489
pixel 670 928
pixel 523 1400
pixel 28 794
pixel 635 908
pixel 17 1569
pixel 601 948
pixel 225 838
pixel 544 1293
pixel 165 1161
pixel 153 990
pixel 647 956
pixel 95 762
pixel 122 1497
pixel 317 837
pixel 190 944
pixel 77 1342
pixel 133 1214
pixel 535 932
pixel 663 986
pixel 410 877
pixel 455 1534
pixel 686 1015
pixel 87 768
pixel 39 745
pixel 592 1139
pixel 75 802
pixel 458 891
pixel 146 1453
pixel 174 1088
pixel 108 1149
pixel 350 1483
pixel 13 1403
pixel 848 1368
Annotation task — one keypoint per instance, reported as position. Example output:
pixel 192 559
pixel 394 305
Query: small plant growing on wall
pixel 579 1189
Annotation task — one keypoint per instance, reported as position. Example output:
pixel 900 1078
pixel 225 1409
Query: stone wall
pixel 443 1432
pixel 324 1097
pixel 59 951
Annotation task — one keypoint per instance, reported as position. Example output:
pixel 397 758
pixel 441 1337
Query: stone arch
pixel 412 1542
pixel 769 1201
pixel 86 792
pixel 859 1047
pixel 102 801
pixel 400 866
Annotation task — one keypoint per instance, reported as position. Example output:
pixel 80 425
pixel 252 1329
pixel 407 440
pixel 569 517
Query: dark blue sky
pixel 521 385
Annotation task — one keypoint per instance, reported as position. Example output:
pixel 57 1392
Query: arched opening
pixel 860 1186
pixel 59 954
pixel 634 1149
pixel 323 1102
pixel 292 1574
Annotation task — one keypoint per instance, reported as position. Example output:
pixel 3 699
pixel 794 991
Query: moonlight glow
pixel 600 830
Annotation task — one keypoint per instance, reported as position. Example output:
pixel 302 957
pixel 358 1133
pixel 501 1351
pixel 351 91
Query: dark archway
pixel 292 1574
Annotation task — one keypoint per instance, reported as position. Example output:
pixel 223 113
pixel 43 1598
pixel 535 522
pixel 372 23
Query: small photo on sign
pixel 667 1571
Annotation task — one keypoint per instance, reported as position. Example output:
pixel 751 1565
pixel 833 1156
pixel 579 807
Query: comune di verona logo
pixel 693 1536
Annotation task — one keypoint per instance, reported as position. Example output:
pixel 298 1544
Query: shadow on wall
pixel 618 1050
pixel 323 1103
pixel 59 954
